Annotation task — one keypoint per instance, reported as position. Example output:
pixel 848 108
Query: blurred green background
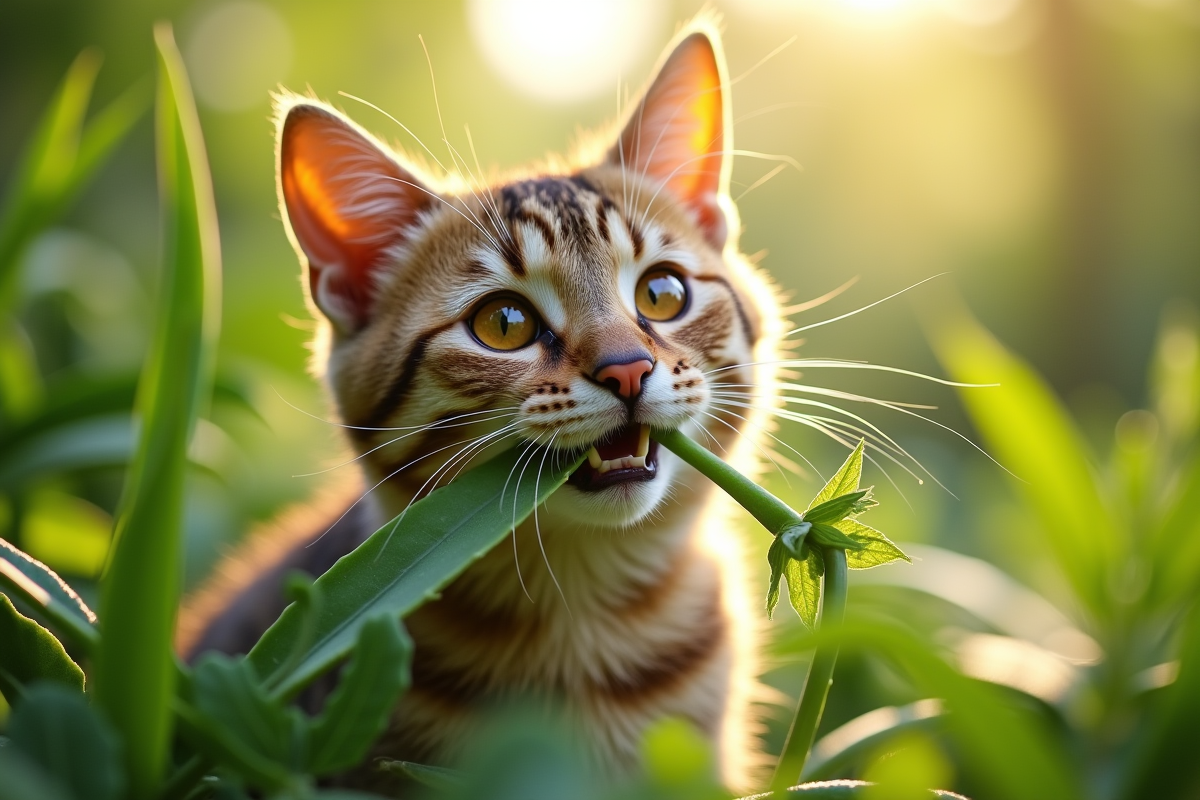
pixel 1044 153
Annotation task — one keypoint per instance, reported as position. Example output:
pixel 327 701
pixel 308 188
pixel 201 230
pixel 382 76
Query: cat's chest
pixel 649 647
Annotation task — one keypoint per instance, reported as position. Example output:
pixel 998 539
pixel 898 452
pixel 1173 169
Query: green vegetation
pixel 101 710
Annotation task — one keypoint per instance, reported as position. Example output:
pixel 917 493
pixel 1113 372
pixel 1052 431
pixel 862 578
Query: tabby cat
pixel 575 306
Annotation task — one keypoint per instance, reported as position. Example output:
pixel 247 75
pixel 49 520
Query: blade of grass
pixel 1028 430
pixel 135 670
pixel 403 564
pixel 61 156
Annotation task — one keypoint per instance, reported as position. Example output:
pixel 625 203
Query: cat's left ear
pixel 347 203
pixel 679 132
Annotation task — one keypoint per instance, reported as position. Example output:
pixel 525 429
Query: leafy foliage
pixel 831 518
pixel 68 743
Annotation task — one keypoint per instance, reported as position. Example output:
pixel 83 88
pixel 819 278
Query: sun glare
pixel 565 50
pixel 872 5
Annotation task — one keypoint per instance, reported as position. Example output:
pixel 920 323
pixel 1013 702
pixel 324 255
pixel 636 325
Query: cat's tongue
pixel 626 454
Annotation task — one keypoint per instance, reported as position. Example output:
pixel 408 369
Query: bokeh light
pixel 565 50
pixel 237 52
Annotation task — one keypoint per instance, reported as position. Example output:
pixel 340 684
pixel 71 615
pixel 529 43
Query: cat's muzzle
pixel 625 455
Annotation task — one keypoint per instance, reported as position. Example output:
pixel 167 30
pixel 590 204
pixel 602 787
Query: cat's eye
pixel 661 294
pixel 504 323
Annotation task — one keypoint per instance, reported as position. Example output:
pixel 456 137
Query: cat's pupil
pixel 653 294
pixel 504 321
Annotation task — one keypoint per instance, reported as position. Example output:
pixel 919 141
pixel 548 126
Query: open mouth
pixel 626 455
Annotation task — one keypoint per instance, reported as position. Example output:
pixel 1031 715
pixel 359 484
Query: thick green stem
pixel 775 516
pixel 820 675
pixel 773 513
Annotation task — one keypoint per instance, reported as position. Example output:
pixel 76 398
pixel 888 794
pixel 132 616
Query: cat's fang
pixel 594 458
pixel 643 443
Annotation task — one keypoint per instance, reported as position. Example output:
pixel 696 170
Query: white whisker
pixel 864 308
pixel 473 444
pixel 388 477
pixel 833 363
pixel 537 528
pixel 436 425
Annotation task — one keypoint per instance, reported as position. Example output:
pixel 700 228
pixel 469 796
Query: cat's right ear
pixel 346 202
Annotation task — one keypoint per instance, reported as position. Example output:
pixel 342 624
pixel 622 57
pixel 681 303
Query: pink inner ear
pixel 677 134
pixel 347 202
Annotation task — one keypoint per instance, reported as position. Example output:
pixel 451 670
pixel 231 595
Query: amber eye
pixel 504 323
pixel 661 294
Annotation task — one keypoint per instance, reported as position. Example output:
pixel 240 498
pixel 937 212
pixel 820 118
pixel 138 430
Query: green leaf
pixel 56 728
pixel 804 585
pixel 1027 429
pixel 25 780
pixel 438 778
pixel 874 549
pixel 840 507
pixel 31 652
pixel 221 745
pixel 89 443
pixel 794 539
pixel 76 396
pixel 830 536
pixel 845 480
pixel 135 667
pixel 38 585
pixel 359 709
pixel 862 737
pixel 405 562
pixel 777 557
pixel 226 694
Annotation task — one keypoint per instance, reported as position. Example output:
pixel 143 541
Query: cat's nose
pixel 625 380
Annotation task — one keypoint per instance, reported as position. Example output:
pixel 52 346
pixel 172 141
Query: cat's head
pixel 576 308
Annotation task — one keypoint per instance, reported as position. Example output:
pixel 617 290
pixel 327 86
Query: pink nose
pixel 625 379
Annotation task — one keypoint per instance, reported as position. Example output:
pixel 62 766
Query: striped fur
pixel 620 606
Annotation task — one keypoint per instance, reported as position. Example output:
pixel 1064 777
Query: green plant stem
pixel 820 674
pixel 773 513
pixel 775 516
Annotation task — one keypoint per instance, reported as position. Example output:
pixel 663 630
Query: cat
pixel 576 305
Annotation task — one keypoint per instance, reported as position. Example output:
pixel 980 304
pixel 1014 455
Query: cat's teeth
pixel 626 462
